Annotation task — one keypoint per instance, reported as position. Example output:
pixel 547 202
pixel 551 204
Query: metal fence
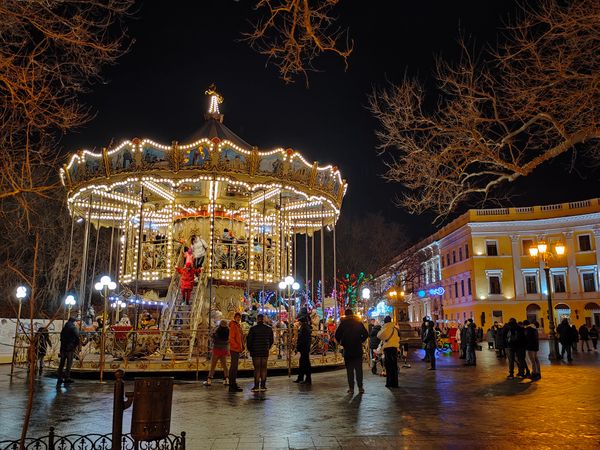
pixel 53 441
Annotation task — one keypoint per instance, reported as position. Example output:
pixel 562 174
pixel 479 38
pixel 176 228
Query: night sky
pixel 157 89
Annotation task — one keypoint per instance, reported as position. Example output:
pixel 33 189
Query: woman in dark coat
pixel 532 346
pixel 303 347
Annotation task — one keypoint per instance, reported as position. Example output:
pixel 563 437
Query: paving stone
pixel 453 407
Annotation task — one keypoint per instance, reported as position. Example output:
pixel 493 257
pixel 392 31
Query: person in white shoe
pixel 220 351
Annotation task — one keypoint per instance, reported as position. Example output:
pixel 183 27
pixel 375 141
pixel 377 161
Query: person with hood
pixel 489 337
pixel 374 342
pixel 594 336
pixel 259 342
pixel 463 340
pixel 42 342
pixel 584 337
pixel 429 341
pixel 391 341
pixel 186 282
pixel 532 346
pixel 471 343
pixel 220 351
pixel 303 347
pixel 351 334
pixel 564 333
pixel 236 346
pixel 69 341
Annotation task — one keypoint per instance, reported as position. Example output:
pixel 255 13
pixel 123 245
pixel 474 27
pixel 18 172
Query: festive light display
pixel 349 288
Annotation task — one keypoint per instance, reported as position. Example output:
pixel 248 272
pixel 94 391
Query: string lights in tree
pixel 350 287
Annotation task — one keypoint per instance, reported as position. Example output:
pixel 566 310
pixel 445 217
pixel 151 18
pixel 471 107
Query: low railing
pixel 140 348
pixel 92 441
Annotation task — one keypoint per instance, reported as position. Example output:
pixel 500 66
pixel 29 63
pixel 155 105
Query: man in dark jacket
pixel 259 342
pixel 351 334
pixel 303 347
pixel 69 341
pixel 515 342
pixel 471 343
pixel 564 332
pixel 584 337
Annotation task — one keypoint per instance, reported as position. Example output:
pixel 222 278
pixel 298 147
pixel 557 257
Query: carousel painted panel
pixel 232 160
pixel 153 157
pixel 197 157
pixel 299 171
pixel 271 164
pixel 121 160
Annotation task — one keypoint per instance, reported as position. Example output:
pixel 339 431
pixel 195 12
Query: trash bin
pixel 151 416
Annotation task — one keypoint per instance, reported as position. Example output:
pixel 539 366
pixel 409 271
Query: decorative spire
pixel 215 99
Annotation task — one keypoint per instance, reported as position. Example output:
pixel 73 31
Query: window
pixel 469 286
pixel 585 245
pixel 447 259
pixel 467 251
pixel 456 289
pixel 460 254
pixel 589 284
pixel 494 284
pixel 531 284
pixel 527 244
pixel 462 287
pixel 492 248
pixel 442 261
pixel 453 256
pixel 559 282
pixel 450 291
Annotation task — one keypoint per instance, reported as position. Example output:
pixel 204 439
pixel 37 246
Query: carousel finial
pixel 215 99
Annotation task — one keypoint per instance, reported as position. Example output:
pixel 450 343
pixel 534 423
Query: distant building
pixel 486 271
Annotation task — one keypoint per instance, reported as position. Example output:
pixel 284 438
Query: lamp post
pixel 542 253
pixel 21 294
pixel 117 304
pixel 104 286
pixel 69 303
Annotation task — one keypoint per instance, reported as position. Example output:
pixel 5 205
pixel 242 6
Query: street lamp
pixel 542 253
pixel 69 303
pixel 21 294
pixel 117 305
pixel 104 286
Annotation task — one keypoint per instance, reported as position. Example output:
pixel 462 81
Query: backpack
pixel 511 336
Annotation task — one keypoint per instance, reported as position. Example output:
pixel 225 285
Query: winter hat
pixel 387 319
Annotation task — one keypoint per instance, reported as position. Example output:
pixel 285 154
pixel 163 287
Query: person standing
pixel 236 346
pixel 594 336
pixel 471 338
pixel 512 336
pixel 458 337
pixel 259 342
pixel 69 341
pixel 374 341
pixel 584 337
pixel 186 282
pixel 42 342
pixel 303 347
pixel 351 334
pixel 564 333
pixel 429 342
pixel 423 330
pixel 220 350
pixel 391 341
pixel 489 337
pixel 199 247
pixel 532 346
pixel 499 340
pixel 463 340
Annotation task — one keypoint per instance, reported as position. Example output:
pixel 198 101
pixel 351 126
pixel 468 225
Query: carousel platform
pixel 90 367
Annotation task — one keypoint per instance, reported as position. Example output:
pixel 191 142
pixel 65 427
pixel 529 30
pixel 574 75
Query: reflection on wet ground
pixel 455 406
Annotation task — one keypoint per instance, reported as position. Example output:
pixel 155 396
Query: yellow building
pixel 488 274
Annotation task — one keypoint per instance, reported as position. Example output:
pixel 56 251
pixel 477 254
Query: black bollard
pixel 119 405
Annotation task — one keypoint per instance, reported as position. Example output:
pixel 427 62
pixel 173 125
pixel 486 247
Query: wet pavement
pixel 453 407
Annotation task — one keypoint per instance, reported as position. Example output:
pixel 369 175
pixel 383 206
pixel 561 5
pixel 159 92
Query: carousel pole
pixel 96 249
pixel 249 251
pixel 323 265
pixel 335 303
pixel 139 258
pixel 70 252
pixel 86 236
pixel 212 195
pixel 312 269
pixel 305 263
pixel 264 242
pixel 112 244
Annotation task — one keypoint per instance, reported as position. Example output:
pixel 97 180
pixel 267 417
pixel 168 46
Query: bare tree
pixel 531 99
pixel 292 33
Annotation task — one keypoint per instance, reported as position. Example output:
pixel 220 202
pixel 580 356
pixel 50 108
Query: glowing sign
pixel 433 291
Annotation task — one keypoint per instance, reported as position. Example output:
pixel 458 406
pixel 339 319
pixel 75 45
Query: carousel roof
pixel 214 128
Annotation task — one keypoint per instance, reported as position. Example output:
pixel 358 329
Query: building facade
pixel 488 274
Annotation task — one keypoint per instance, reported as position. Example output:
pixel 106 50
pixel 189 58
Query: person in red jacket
pixel 186 282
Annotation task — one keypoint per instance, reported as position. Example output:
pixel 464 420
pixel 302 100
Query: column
pixel 516 258
pixel 572 273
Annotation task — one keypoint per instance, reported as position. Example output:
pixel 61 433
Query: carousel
pixel 225 210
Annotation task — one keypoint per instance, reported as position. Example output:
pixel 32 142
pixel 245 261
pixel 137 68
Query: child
pixel 186 282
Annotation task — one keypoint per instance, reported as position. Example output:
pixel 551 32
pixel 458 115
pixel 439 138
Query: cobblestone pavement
pixel 453 407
